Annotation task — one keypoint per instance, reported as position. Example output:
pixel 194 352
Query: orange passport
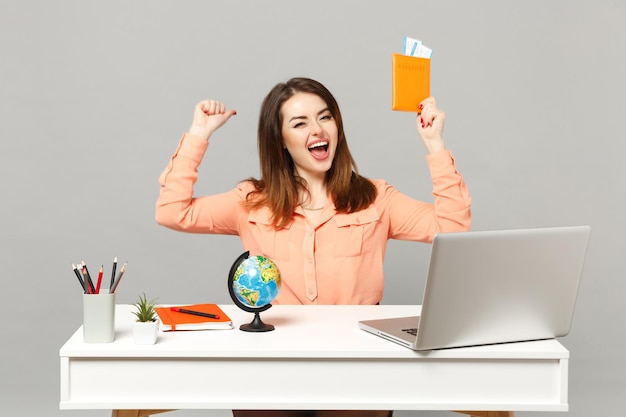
pixel 410 82
pixel 174 320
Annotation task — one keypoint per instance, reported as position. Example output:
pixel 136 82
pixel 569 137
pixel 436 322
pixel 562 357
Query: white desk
pixel 317 358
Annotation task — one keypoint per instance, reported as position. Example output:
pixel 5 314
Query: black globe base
pixel 256 325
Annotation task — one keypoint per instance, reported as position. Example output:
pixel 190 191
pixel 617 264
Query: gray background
pixel 94 97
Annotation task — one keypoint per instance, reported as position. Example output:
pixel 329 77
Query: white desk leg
pixel 136 413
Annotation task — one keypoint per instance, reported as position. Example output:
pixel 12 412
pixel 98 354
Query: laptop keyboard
pixel 412 331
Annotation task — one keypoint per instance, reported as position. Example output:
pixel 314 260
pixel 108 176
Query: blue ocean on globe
pixel 256 281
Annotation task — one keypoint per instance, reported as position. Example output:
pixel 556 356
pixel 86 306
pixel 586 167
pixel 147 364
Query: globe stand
pixel 256 325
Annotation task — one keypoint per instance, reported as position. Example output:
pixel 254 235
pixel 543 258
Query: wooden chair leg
pixel 136 413
pixel 488 413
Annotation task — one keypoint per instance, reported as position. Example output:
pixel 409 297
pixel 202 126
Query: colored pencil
pixel 80 278
pixel 88 280
pixel 100 272
pixel 119 278
pixel 113 273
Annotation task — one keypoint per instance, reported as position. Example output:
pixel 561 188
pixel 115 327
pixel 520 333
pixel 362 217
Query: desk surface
pixel 316 358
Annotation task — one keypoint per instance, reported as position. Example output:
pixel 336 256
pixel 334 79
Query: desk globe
pixel 253 283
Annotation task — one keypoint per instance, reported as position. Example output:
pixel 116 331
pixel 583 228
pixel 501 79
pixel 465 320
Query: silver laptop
pixel 494 287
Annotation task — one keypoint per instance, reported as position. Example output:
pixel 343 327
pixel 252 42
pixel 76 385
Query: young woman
pixel 323 224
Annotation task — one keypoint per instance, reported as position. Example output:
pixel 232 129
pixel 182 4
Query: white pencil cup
pixel 98 318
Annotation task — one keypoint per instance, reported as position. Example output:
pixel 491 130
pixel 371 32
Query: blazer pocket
pixel 350 231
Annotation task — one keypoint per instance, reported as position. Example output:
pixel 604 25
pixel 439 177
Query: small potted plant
pixel 146 327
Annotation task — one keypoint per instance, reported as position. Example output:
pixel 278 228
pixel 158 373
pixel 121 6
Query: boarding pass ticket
pixel 414 47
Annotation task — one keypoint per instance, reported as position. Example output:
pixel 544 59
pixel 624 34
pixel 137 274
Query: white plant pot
pixel 145 333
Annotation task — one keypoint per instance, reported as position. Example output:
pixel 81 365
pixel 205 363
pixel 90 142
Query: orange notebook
pixel 410 82
pixel 173 320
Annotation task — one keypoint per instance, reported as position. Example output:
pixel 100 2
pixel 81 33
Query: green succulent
pixel 145 309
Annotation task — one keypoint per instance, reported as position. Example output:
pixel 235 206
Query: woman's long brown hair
pixel 279 186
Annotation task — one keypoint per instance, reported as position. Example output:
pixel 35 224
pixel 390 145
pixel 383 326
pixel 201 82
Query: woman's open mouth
pixel 319 149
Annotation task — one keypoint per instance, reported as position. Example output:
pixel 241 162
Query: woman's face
pixel 309 134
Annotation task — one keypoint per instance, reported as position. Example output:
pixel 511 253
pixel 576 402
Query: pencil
pixel 100 272
pixel 113 273
pixel 87 278
pixel 80 278
pixel 119 278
